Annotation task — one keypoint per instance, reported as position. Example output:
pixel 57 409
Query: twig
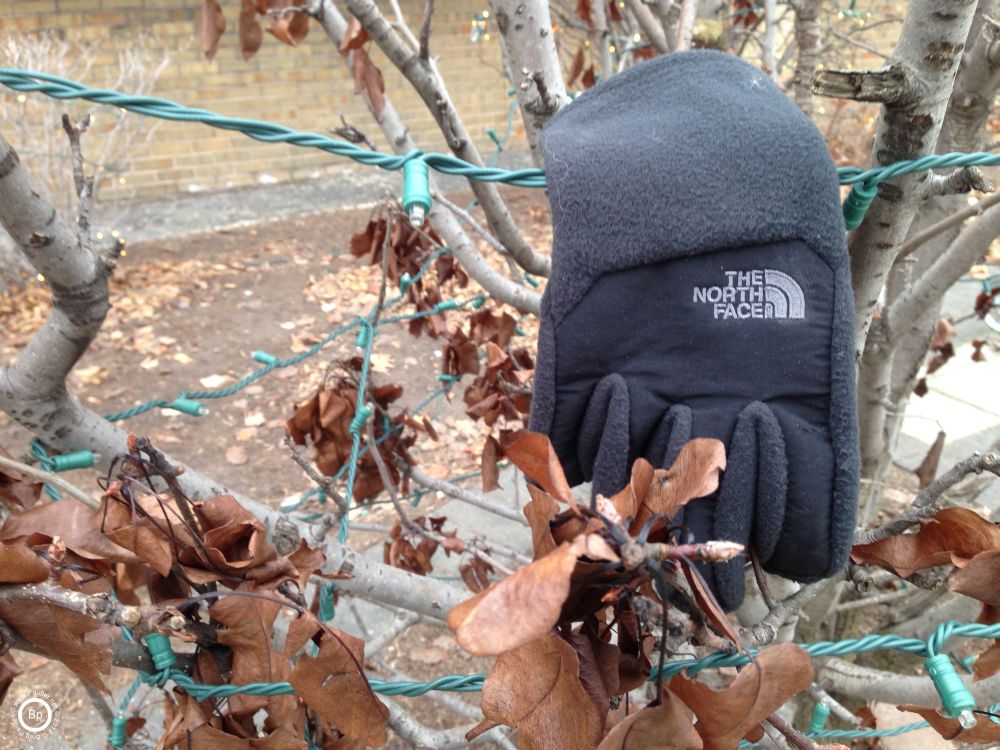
pixel 326 484
pixel 836 708
pixel 888 596
pixel 767 629
pixel 169 473
pixel 761 578
pixel 634 555
pixel 83 183
pixel 795 738
pixel 392 631
pixel 925 503
pixel 54 479
pixel 945 224
pixel 459 493
pixel 100 705
pixel 99 607
pixel 425 31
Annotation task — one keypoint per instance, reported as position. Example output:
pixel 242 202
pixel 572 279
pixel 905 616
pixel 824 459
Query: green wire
pixel 269 132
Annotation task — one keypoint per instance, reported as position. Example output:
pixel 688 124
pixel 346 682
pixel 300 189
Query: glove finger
pixel 808 547
pixel 752 496
pixel 670 436
pixel 603 442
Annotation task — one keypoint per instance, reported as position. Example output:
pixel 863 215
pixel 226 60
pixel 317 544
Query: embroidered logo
pixel 754 294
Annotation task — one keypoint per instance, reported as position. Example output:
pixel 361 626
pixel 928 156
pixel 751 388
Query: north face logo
pixel 754 294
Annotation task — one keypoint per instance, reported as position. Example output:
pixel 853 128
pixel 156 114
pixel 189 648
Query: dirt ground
pixel 186 315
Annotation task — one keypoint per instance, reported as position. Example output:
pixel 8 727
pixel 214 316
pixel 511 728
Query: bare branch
pixel 425 31
pixel 891 84
pixel 326 484
pixel 836 708
pixel 460 493
pixel 767 629
pixel 54 479
pixel 972 243
pixel 867 684
pixel 650 25
pixel 962 180
pixel 925 503
pixel 398 136
pixel 945 224
pixel 530 51
pixel 433 92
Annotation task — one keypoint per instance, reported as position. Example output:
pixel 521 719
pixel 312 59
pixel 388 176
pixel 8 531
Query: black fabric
pixel 700 288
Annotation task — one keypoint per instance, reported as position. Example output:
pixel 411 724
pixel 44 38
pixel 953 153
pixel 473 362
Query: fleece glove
pixel 700 287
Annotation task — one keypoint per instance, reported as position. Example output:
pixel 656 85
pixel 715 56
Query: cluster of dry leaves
pixel 206 574
pixel 966 546
pixel 574 631
pixel 481 346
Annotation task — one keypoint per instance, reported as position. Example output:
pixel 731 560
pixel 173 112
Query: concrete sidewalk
pixel 963 400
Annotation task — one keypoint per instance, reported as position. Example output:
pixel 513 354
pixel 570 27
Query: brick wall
pixel 307 87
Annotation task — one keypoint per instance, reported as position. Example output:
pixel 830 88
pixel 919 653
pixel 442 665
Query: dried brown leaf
pixel 354 38
pixel 333 684
pixel 536 688
pixel 533 454
pixel 666 726
pixel 929 466
pixel 250 33
pixel 952 533
pixel 524 606
pixel 20 564
pixel 984 731
pixel 213 24
pixel 368 80
pixel 726 716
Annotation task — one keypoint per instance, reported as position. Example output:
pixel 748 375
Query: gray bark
pixel 529 51
pixel 809 39
pixel 929 49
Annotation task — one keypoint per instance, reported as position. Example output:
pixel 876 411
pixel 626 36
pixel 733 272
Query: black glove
pixel 701 288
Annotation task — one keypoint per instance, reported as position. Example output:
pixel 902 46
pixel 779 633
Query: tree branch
pixel 54 479
pixel 945 224
pixel 397 134
pixel 767 629
pixel 460 493
pixel 425 31
pixel 867 684
pixel 891 84
pixel 431 89
pixel 925 503
pixel 907 129
pixel 973 242
pixel 650 25
pixel 529 51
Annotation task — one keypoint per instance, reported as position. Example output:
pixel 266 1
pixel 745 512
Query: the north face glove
pixel 700 287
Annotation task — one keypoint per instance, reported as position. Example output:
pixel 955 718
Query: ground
pixel 187 313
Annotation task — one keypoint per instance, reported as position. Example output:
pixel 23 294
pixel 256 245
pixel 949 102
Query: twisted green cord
pixel 63 88
pixel 269 132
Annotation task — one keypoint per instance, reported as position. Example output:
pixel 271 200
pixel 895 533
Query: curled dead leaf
pixel 726 716
pixel 524 606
